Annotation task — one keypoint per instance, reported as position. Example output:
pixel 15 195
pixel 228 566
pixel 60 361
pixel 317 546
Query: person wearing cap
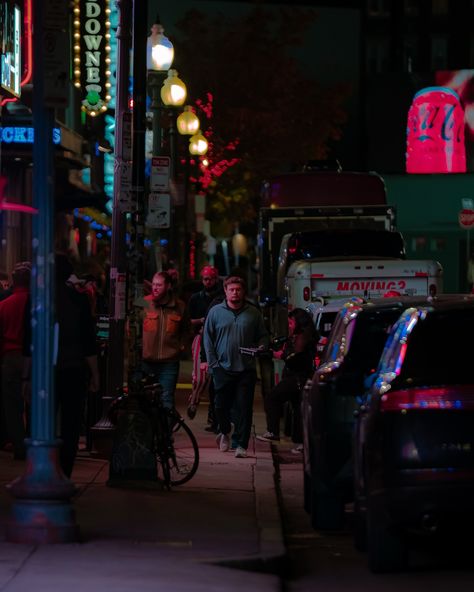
pixel 14 316
pixel 198 306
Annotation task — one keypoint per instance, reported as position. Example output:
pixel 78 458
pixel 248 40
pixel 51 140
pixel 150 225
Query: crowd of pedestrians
pixel 218 318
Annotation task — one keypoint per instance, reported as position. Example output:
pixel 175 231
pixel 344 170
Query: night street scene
pixel 236 295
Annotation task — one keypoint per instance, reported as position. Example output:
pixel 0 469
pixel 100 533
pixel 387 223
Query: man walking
pixel 198 305
pixel 229 325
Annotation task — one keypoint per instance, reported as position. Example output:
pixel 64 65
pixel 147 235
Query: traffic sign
pixel 160 173
pixel 466 219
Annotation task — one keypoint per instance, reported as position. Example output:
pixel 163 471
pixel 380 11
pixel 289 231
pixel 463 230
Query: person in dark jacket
pixel 76 369
pixel 198 306
pixel 298 354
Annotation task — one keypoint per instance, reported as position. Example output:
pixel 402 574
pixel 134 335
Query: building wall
pixel 427 214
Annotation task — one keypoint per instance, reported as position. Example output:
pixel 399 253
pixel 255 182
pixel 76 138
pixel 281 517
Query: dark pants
pixel 235 392
pixel 71 390
pixel 288 389
pixel 13 403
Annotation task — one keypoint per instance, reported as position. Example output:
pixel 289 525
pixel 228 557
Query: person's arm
pixel 208 342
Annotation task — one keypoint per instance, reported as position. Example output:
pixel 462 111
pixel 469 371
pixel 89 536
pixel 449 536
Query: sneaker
pixel 223 442
pixel 240 452
pixel 268 437
pixel 297 449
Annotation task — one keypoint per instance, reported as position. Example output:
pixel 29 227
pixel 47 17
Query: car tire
pixel 327 509
pixel 386 549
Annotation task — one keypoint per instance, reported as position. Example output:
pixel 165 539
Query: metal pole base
pixel 42 522
pixel 42 512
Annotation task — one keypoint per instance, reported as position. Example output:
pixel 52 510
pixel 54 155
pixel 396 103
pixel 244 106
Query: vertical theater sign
pixel 435 132
pixel 92 54
pixel 10 48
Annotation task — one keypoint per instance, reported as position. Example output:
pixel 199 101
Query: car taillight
pixel 428 398
pixel 306 294
pixel 433 290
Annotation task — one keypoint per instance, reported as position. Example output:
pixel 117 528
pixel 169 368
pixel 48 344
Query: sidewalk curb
pixel 272 557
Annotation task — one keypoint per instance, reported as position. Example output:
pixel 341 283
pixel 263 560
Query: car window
pixel 439 350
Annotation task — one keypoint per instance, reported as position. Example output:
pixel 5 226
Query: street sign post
pixel 466 218
pixel 160 173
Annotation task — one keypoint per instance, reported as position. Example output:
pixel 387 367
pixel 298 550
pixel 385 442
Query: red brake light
pixel 306 294
pixel 432 290
pixel 428 398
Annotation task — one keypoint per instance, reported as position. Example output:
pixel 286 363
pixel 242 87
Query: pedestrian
pixel 5 286
pixel 298 353
pixel 14 315
pixel 76 370
pixel 165 326
pixel 229 325
pixel 198 306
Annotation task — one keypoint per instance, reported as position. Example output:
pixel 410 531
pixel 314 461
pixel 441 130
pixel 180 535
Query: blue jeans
pixel 166 373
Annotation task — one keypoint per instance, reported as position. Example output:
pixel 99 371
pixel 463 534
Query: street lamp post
pixel 173 95
pixel 188 124
pixel 160 55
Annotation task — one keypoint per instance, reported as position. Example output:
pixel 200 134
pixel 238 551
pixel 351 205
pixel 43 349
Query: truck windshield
pixel 344 243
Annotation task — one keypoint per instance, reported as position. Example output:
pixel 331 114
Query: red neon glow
pixel 28 40
pixel 10 206
pixel 435 132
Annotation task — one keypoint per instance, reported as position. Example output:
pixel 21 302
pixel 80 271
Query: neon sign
pixel 91 54
pixel 10 47
pixel 24 135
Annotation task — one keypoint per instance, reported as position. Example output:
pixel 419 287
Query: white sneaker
pixel 240 452
pixel 223 442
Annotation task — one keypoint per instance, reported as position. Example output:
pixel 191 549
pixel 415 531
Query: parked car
pixel 332 396
pixel 414 434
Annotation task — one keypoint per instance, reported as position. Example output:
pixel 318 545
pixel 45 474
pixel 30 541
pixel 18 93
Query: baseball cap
pixel 209 271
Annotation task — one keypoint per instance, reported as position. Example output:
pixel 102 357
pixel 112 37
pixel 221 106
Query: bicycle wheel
pixel 183 458
pixel 163 449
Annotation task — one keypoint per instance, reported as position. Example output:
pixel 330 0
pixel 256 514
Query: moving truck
pixel 312 281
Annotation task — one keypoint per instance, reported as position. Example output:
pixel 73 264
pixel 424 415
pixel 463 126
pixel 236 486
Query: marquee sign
pixel 92 54
pixel 10 48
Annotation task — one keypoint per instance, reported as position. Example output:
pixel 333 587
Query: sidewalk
pixel 189 538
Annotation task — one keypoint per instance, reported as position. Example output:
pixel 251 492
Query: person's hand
pixel 204 366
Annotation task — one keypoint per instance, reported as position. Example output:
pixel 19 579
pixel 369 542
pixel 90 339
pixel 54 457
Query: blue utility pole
pixel 42 511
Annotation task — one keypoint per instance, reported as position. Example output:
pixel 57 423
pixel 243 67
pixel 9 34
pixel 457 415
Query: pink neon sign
pixel 435 132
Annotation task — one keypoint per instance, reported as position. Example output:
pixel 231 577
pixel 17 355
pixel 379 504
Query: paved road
pixel 328 561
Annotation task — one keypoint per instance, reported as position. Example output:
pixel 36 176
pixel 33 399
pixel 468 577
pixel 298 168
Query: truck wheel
pixel 387 552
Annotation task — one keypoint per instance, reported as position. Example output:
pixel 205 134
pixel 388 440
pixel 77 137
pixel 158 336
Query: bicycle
pixel 173 443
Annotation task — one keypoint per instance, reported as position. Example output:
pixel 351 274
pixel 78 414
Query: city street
pixel 221 531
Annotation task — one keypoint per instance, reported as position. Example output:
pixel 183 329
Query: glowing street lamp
pixel 160 51
pixel 188 122
pixel 173 91
pixel 198 144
